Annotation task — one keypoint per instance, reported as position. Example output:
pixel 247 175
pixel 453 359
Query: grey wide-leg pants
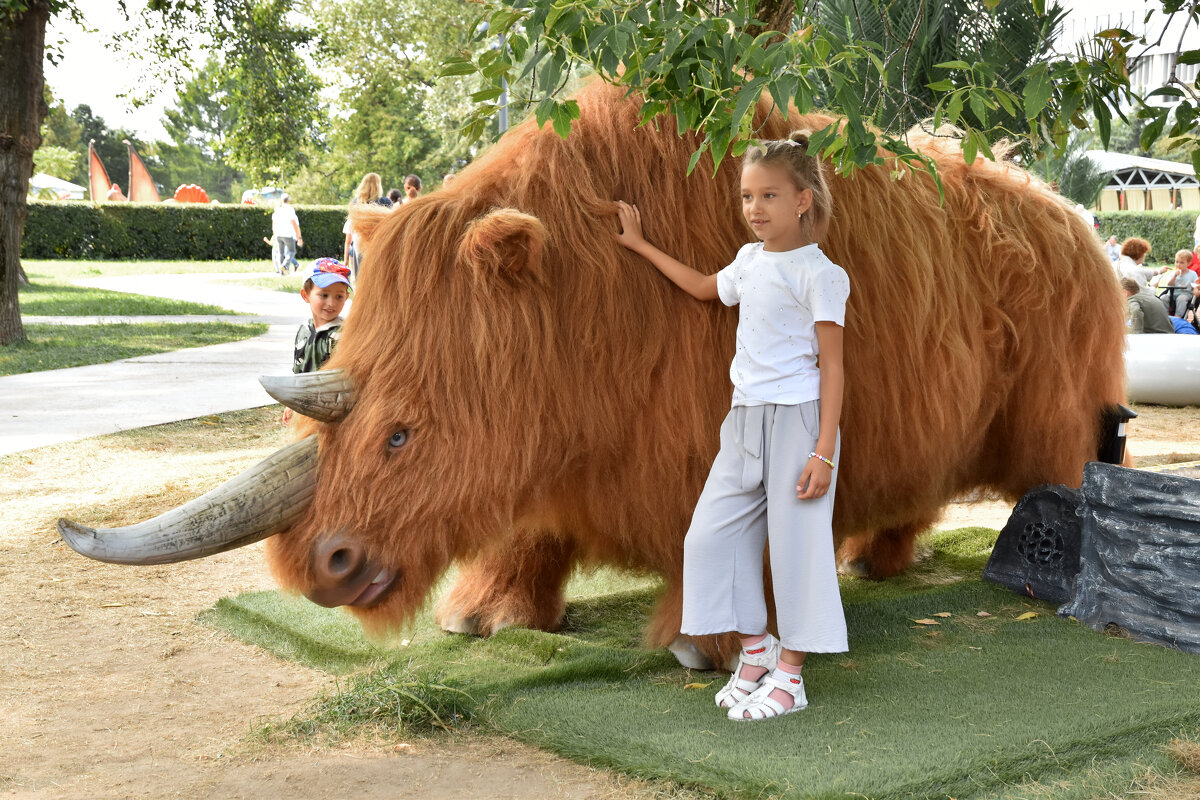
pixel 748 500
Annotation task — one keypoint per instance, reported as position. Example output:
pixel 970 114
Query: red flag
pixel 97 176
pixel 141 185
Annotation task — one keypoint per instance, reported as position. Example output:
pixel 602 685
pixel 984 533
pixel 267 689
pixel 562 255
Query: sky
pixel 90 73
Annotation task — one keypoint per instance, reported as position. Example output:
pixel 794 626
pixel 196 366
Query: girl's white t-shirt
pixel 782 297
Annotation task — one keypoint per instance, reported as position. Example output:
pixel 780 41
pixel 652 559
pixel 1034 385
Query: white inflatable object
pixel 1163 368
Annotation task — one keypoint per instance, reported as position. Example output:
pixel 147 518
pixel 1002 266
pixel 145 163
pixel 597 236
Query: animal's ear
pixel 365 218
pixel 504 242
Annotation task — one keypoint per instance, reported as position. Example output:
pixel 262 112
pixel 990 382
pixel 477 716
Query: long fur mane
pixel 555 382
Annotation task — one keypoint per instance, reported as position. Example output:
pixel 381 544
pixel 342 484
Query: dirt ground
pixel 109 688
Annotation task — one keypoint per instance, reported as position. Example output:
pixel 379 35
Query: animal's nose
pixel 338 564
pixel 336 558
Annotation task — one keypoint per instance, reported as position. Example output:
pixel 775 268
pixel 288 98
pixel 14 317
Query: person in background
pixel 1191 313
pixel 326 289
pixel 396 196
pixel 1131 264
pixel 1113 248
pixel 1146 313
pixel 1176 285
pixel 370 190
pixel 448 178
pixel 285 228
pixel 412 188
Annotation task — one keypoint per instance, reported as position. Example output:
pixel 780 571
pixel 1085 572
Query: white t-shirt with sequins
pixel 782 297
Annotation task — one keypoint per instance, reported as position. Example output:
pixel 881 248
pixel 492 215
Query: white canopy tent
pixel 1146 184
pixel 62 190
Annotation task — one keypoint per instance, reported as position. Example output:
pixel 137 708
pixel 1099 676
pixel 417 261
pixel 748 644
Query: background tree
pixel 261 41
pixel 22 108
pixel 56 161
pixel 395 116
pixel 708 62
pixel 199 126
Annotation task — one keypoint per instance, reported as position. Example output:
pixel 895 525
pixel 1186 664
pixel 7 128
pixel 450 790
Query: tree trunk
pixel 22 109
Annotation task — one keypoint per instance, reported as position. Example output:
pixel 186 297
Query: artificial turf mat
pixel 973 707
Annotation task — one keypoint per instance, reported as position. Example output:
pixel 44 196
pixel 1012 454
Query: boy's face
pixel 326 303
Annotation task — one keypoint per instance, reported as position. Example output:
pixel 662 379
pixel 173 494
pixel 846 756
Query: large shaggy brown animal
pixel 529 396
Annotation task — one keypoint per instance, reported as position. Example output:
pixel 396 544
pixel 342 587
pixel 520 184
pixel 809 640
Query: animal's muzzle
pixel 344 575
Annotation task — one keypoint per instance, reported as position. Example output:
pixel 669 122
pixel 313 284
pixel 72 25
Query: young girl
pixel 783 426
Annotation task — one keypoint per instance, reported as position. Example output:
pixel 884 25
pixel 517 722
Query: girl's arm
pixel 817 475
pixel 694 282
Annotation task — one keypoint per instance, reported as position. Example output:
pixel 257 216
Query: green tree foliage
pixel 57 161
pixel 261 47
pixel 708 62
pixel 915 38
pixel 396 117
pixel 1077 177
pixel 199 125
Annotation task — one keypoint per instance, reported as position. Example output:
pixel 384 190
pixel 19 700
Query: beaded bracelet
pixel 828 461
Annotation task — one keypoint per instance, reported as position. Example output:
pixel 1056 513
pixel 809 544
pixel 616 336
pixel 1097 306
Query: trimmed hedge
pixel 1166 231
pixel 171 231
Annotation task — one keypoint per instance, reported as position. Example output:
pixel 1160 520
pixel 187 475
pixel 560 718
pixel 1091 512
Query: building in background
pixel 1165 36
pixel 1140 183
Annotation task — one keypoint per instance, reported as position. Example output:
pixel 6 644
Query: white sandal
pixel 760 704
pixel 738 689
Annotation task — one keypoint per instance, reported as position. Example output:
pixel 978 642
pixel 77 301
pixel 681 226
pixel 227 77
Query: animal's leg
pixel 883 554
pixel 694 652
pixel 517 582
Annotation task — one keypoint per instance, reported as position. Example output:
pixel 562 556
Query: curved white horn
pixel 265 499
pixel 326 395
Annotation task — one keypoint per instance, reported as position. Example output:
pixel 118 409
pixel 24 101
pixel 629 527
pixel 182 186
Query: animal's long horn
pixel 265 499
pixel 326 396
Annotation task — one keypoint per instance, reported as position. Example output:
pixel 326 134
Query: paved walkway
pixel 42 408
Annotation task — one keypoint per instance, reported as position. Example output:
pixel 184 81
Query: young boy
pixel 326 289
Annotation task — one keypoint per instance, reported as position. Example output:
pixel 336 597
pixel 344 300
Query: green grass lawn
pixel 62 299
pixel 58 346
pixel 66 269
pixel 974 707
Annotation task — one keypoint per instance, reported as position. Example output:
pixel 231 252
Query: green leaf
pixel 456 66
pixel 695 159
pixel 1196 160
pixel 747 96
pixel 978 107
pixel 968 148
pixel 490 93
pixel 943 85
pixel 954 108
pixel 953 65
pixel 1103 122
pixel 1189 57
pixel 562 120
pixel 1037 91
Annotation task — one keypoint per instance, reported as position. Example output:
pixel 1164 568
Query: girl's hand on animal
pixel 814 480
pixel 631 225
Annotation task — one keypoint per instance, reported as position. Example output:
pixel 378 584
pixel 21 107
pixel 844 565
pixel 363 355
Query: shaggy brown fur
pixel 564 399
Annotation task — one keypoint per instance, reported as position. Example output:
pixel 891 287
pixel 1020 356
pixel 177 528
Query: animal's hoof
pixel 688 656
pixel 470 625
pixel 855 568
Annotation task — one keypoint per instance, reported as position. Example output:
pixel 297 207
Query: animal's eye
pixel 399 439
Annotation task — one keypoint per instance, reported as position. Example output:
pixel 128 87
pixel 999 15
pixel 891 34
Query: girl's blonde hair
pixel 369 190
pixel 806 172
